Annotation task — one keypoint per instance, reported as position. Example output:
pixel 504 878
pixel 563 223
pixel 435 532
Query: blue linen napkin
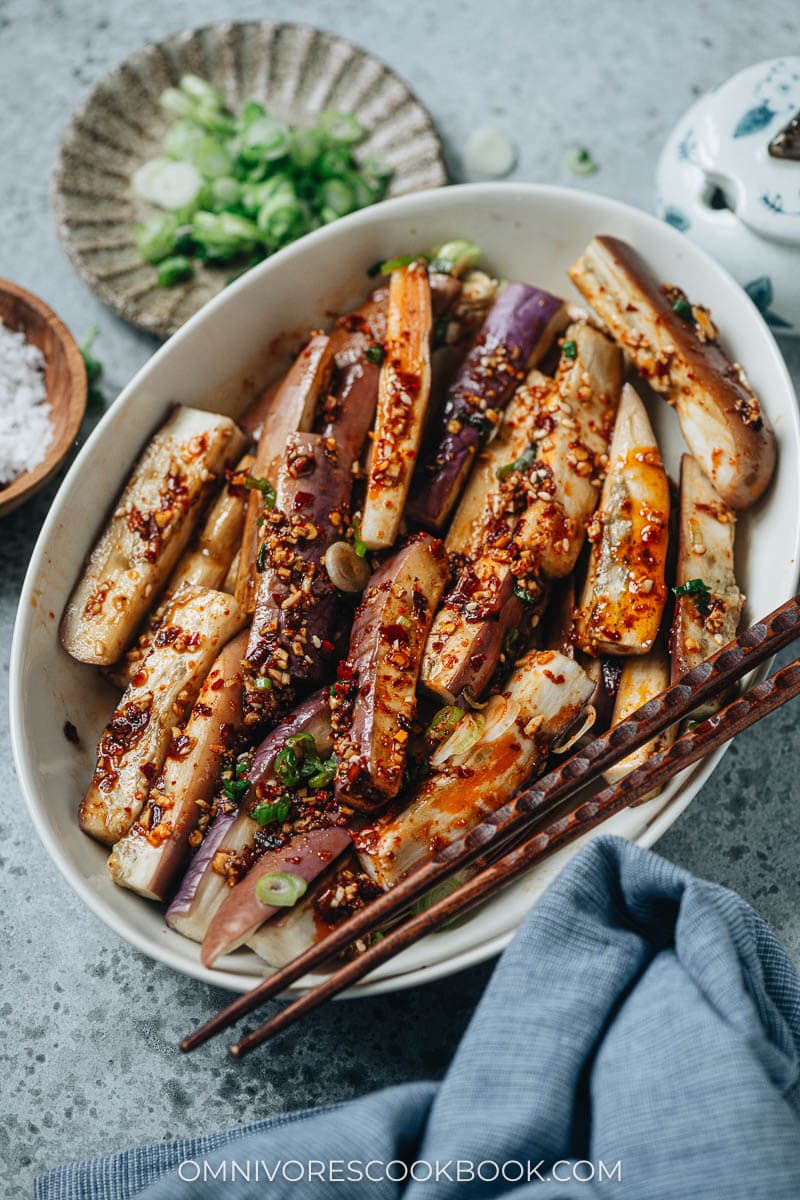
pixel 639 1038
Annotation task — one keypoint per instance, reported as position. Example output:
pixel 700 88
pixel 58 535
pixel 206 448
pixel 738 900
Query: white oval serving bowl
pixel 218 360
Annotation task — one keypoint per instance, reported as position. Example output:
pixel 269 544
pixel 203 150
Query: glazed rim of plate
pixel 295 70
pixel 654 820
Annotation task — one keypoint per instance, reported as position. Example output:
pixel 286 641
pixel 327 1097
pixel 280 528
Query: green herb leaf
pixel 699 591
pixel 570 349
pixel 525 460
pixel 254 484
pixel 267 814
pixel 323 772
pixel 374 354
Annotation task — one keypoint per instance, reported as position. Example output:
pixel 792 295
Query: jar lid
pixel 747 142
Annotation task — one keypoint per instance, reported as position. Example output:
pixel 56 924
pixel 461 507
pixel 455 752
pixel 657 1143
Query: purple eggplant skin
pixel 242 913
pixel 289 642
pixel 202 890
pixel 352 408
pixel 605 693
pixel 311 716
pixel 517 332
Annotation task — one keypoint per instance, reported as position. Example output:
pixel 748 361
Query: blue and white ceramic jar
pixel 729 177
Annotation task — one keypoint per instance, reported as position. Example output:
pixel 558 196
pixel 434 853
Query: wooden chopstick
pixel 702 684
pixel 693 745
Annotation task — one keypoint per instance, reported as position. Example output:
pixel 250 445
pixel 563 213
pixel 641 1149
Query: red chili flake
pixel 149 770
pixel 327 648
pixel 166 635
pixel 216 685
pixel 302 499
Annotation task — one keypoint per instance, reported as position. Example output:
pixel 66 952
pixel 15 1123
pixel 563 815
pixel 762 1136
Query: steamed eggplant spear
pixel 206 562
pixel 147 532
pixel 675 346
pixel 624 594
pixel 403 394
pixel 292 409
pixel 295 610
pixel 373 702
pixel 242 912
pixel 534 518
pixel 642 678
pixel 708 603
pixel 132 750
pixel 234 832
pixel 150 856
pixel 516 334
pixel 289 933
pixel 490 756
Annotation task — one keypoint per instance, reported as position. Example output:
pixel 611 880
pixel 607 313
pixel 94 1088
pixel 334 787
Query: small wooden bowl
pixel 65 382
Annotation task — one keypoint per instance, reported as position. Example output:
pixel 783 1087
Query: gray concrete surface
pixel 88 1027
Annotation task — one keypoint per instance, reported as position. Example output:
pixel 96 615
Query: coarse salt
pixel 26 426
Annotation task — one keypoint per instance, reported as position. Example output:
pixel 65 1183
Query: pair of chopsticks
pixel 511 828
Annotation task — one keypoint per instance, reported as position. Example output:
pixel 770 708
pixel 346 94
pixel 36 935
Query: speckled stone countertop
pixel 88 1026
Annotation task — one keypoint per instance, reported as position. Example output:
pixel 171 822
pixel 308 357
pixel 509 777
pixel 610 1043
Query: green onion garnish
pixel 263 683
pixel 683 308
pixel 570 349
pixel 254 484
pixel 394 264
pixel 443 723
pixel 359 545
pixel 522 594
pixel 280 889
pixel 578 161
pixel 267 814
pixel 699 591
pixel 374 354
pixel 261 558
pixel 525 460
pixel 174 270
pixel 286 767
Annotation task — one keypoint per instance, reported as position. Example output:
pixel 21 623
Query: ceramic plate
pixel 219 360
pixel 295 71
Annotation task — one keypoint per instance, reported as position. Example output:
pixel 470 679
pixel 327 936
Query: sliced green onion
pixel 341 128
pixel 338 196
pixel 359 545
pixel 287 768
pixel 280 889
pixel 211 158
pixel 394 264
pixel 440 892
pixel 302 741
pixel 200 90
pixel 578 160
pixel 254 484
pixel 570 349
pixel 225 192
pixel 264 140
pixel 526 596
pixel 263 683
pixel 167 183
pixel 172 100
pixel 305 147
pixel 454 258
pixel 333 162
pixel 444 723
pixel 323 776
pixel 181 137
pixel 683 308
pixel 156 238
pixel 251 111
pixel 525 460
pixel 699 591
pixel 176 269
pixel 267 814
pixel 374 354
pixel 224 235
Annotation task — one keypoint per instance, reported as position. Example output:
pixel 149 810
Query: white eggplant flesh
pixel 147 532
pixel 642 678
pixel 708 604
pixel 206 562
pixel 150 856
pixel 624 594
pixel 485 761
pixel 403 394
pixel 131 752
pixel 675 345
